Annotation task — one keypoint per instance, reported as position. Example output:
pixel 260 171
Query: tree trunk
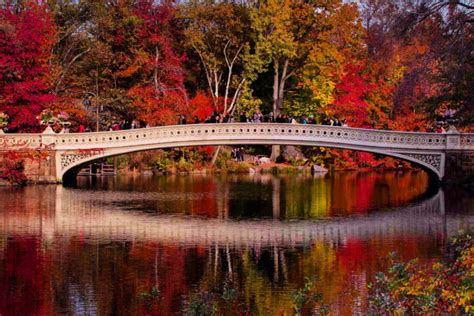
pixel 276 151
pixel 276 106
pixel 214 157
pixel 275 88
pixel 155 71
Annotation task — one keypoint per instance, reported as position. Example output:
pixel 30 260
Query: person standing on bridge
pixel 243 117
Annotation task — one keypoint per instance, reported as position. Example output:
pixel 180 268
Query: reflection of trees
pixel 258 196
pixel 346 193
pixel 76 270
pixel 360 192
pixel 108 278
pixel 244 288
pixel 263 283
pixel 25 272
pixel 79 274
pixel 305 197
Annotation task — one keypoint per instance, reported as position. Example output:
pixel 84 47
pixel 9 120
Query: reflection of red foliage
pixel 365 192
pixel 171 278
pixel 23 268
pixel 207 205
pixel 353 255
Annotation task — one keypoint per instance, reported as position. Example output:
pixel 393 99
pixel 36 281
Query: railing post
pixel 47 137
pixel 453 139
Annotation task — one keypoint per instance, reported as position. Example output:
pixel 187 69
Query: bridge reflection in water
pixel 96 250
pixel 95 215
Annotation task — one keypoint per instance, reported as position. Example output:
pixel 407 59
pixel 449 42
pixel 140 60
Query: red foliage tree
pixel 350 101
pixel 161 95
pixel 201 105
pixel 27 34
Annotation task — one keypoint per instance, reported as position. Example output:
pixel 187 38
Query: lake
pixel 228 244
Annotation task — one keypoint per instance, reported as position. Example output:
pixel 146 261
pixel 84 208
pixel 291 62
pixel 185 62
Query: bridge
pixel 446 156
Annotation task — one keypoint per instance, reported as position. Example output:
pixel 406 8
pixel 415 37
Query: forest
pixel 385 64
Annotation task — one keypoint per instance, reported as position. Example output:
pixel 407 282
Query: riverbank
pixel 254 161
pixel 230 167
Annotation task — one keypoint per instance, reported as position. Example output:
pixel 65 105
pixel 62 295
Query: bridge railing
pixel 467 140
pixel 19 141
pixel 238 131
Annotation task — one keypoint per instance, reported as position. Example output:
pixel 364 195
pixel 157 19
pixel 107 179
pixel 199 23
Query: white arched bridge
pixel 443 155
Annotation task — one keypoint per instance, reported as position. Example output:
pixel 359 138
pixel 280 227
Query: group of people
pixel 214 118
pixel 334 122
pixel 259 117
pixel 238 154
pixel 123 125
pixel 256 117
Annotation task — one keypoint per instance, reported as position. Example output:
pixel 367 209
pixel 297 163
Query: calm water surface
pixel 236 244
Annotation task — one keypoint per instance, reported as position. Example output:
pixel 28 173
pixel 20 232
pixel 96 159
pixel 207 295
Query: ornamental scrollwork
pixel 15 142
pixel 68 159
pixel 433 160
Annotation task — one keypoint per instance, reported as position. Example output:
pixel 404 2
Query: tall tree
pixel 420 57
pixel 305 42
pixel 218 33
pixel 121 58
pixel 159 94
pixel 97 41
pixel 27 34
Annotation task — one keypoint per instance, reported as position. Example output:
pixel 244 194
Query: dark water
pixel 235 244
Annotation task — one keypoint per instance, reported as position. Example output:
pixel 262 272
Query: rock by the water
pixel 316 169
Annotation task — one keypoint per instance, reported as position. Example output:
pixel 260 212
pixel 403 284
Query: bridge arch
pixel 423 149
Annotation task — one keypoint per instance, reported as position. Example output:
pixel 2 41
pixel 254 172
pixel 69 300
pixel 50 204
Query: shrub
pixel 274 170
pixel 242 167
pixel 445 287
pixel 304 297
pixel 13 172
pixel 123 161
pixel 162 164
pixel 184 166
pixel 12 167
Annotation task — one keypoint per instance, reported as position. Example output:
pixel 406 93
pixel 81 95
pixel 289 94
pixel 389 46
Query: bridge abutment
pixel 37 165
pixel 459 166
pixel 41 169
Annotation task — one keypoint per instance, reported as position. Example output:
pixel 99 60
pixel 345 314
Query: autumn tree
pixel 27 33
pixel 218 33
pixel 396 65
pixel 454 73
pixel 419 57
pixel 159 93
pixel 97 41
pixel 305 42
pixel 119 59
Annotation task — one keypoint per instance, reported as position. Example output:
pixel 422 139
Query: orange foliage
pixel 155 108
pixel 72 107
pixel 201 105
